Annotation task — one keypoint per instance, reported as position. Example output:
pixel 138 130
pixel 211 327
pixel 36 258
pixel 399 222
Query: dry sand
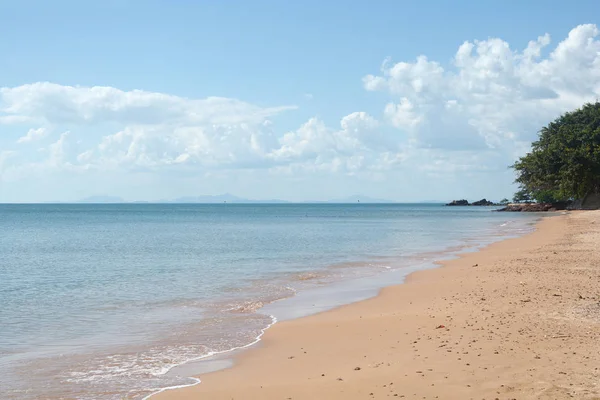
pixel 517 320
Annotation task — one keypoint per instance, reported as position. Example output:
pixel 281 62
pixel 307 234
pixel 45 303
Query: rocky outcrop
pixel 534 207
pixel 482 202
pixel 458 203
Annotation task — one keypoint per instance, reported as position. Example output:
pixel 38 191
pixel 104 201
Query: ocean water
pixel 108 301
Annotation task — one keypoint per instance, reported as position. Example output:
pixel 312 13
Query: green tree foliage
pixel 504 201
pixel 564 163
pixel 522 197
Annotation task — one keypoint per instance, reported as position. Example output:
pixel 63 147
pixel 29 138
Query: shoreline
pixel 281 365
pixel 225 359
pixel 201 336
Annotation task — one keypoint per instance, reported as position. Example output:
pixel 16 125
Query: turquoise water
pixel 101 301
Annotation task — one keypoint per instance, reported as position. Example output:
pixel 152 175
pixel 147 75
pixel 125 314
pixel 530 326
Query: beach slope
pixel 517 320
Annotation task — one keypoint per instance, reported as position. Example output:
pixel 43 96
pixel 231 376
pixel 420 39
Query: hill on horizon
pixel 230 198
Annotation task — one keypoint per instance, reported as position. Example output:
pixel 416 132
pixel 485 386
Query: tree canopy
pixel 564 163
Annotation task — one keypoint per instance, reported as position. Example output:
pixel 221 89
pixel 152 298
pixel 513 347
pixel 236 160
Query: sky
pixel 402 100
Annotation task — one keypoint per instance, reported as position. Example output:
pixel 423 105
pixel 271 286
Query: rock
pixel 528 207
pixel 458 203
pixel 483 202
pixel 463 202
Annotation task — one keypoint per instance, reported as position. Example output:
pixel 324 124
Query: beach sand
pixel 518 320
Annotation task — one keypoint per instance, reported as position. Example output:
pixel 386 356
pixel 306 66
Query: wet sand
pixel 518 320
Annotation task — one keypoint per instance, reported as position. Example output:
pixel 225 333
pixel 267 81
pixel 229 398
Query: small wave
pixel 308 276
pixel 382 266
pixel 194 383
pixel 143 374
pixel 506 223
pixel 291 289
pixel 247 307
pixel 197 381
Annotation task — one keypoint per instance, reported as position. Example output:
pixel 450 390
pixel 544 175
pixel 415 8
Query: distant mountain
pixel 354 199
pixel 230 198
pixel 102 199
pixel 223 198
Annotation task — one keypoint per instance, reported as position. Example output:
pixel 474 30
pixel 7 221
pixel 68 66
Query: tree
pixel 504 201
pixel 521 197
pixel 564 163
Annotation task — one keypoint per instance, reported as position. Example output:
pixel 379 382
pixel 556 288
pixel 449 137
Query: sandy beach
pixel 517 320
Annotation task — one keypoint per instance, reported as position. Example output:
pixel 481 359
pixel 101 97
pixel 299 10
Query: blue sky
pixel 267 99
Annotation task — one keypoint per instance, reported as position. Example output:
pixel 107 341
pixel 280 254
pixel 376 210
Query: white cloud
pixel 33 135
pixel 494 96
pixel 402 115
pixel 59 104
pixel 57 151
pixel 4 157
pixel 162 145
pixel 13 119
pixel 155 130
pixel 357 144
pixel 439 122
pixel 149 130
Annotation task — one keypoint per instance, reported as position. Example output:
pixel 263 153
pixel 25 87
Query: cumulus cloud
pixel 473 115
pixel 358 144
pixel 33 135
pixel 314 138
pixel 60 104
pixel 493 95
pixel 215 146
pixel 148 129
pixel 153 130
pixel 57 151
pixel 4 157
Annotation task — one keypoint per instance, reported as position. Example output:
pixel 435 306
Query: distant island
pixel 102 199
pixel 231 199
pixel 482 202
pixel 353 199
pixel 222 198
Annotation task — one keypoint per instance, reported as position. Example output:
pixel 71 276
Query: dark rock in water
pixel 483 202
pixel 458 203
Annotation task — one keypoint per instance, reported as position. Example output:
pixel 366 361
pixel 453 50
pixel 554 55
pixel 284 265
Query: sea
pixel 120 301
